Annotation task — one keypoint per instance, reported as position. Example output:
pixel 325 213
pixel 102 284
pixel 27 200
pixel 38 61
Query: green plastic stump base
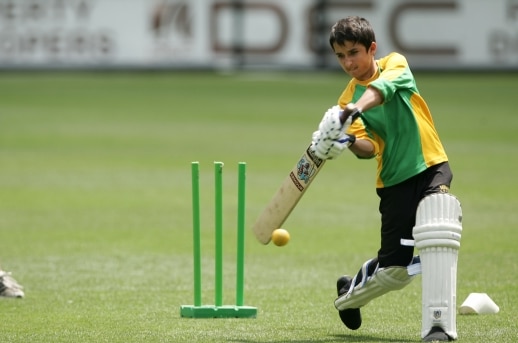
pixel 210 311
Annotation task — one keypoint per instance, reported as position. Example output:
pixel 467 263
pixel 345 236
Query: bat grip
pixel 356 112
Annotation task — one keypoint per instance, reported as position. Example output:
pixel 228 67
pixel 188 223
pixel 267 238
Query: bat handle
pixel 352 113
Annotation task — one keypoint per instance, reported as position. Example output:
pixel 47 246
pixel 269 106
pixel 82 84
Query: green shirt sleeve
pixel 395 75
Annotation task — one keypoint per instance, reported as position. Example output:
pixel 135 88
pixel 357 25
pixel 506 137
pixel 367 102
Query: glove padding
pixel 328 149
pixel 331 125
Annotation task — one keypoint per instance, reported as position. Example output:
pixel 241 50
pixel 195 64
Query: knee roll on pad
pixel 382 281
pixel 437 234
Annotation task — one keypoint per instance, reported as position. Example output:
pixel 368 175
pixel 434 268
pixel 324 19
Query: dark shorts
pixel 398 206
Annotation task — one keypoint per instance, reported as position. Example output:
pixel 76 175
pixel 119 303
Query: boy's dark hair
pixel 354 29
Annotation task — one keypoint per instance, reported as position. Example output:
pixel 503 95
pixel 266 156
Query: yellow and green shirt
pixel 401 129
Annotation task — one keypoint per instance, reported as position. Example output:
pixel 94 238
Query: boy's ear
pixel 373 48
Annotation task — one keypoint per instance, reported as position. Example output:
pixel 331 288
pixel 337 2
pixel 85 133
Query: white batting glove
pixel 330 126
pixel 328 149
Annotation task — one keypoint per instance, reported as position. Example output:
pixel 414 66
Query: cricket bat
pixel 290 192
pixel 287 196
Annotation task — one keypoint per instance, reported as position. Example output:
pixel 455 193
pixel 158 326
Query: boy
pixel 394 126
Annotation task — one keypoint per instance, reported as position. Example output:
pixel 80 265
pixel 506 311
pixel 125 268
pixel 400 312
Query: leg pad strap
pixel 382 281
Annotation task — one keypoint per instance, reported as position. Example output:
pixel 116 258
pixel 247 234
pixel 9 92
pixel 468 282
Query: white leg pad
pixel 382 281
pixel 437 236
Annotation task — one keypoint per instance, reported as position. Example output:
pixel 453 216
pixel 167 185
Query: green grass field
pixel 95 206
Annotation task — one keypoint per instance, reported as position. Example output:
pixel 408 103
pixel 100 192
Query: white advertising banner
pixel 445 34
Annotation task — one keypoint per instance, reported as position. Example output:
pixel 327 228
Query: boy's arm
pixel 362 148
pixel 370 98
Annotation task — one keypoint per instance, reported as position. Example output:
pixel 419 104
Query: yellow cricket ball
pixel 280 237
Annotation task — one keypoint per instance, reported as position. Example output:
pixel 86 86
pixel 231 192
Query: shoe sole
pixel 351 318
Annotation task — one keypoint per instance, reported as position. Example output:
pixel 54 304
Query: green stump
pixel 209 311
pixel 218 310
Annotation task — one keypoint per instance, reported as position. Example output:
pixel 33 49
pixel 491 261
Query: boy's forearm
pixel 369 99
pixel 362 148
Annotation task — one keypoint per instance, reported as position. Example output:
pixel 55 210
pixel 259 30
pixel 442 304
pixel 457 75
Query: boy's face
pixel 356 60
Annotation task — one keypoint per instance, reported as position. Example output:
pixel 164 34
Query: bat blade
pixel 287 196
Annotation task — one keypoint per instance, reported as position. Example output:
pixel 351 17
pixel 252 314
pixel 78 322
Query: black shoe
pixel 437 334
pixel 351 317
pixel 343 284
